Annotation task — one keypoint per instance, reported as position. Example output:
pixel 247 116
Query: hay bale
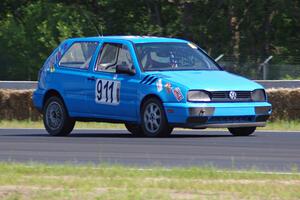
pixel 285 103
pixel 293 105
pixel 278 99
pixel 17 104
pixel 4 96
pixel 35 115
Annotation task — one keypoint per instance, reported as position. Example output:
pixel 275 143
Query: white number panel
pixel 107 91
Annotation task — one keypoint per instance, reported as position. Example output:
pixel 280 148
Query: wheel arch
pixel 165 129
pixel 149 96
pixel 52 93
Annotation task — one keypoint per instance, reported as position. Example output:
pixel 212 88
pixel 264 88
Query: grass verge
pixel 40 181
pixel 39 124
pixel 283 125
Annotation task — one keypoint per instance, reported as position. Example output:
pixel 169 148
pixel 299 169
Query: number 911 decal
pixel 107 92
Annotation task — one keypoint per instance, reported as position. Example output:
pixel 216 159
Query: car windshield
pixel 173 56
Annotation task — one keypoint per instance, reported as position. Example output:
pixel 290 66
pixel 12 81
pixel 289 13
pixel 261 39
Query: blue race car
pixel 151 84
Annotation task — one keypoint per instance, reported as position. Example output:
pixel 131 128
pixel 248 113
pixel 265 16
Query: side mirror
pixel 124 69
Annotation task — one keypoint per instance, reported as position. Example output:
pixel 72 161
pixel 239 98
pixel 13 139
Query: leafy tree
pixel 245 31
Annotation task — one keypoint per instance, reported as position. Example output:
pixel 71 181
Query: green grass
pixel 284 125
pixel 39 124
pixel 277 125
pixel 40 181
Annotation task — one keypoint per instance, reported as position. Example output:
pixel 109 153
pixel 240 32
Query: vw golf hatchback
pixel 150 84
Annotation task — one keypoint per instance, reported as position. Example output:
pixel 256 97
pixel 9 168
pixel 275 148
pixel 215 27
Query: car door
pixel 72 75
pixel 111 95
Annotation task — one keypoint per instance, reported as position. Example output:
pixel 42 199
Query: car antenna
pixel 101 30
pixel 97 30
pixel 94 25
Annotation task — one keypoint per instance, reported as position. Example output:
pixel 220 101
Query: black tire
pixel 156 119
pixel 242 131
pixel 56 118
pixel 134 129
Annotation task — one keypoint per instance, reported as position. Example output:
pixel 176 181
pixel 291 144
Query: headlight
pixel 196 95
pixel 258 95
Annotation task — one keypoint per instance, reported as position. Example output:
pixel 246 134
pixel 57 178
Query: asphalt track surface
pixel 266 151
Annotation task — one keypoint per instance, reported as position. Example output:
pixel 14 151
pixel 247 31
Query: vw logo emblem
pixel 232 95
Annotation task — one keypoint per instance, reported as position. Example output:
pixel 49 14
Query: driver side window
pixel 111 55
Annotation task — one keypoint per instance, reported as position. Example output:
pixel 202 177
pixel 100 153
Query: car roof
pixel 131 38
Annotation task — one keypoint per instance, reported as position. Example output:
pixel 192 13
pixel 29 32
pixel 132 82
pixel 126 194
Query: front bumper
pixel 221 115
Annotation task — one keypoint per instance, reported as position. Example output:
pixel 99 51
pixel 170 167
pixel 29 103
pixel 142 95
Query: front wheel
pixel 154 120
pixel 242 131
pixel 56 118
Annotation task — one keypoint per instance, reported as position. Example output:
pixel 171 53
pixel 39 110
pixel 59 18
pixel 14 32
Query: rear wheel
pixel 242 131
pixel 56 118
pixel 154 121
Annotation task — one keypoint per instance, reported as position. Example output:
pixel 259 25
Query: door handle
pixel 91 78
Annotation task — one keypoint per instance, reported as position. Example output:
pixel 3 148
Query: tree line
pixel 243 30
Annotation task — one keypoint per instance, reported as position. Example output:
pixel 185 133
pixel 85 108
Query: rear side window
pixel 79 55
pixel 113 54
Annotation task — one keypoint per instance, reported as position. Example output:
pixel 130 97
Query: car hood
pixel 208 80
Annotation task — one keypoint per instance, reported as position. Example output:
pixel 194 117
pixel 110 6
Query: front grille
pixel 231 119
pixel 219 95
pixel 223 96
